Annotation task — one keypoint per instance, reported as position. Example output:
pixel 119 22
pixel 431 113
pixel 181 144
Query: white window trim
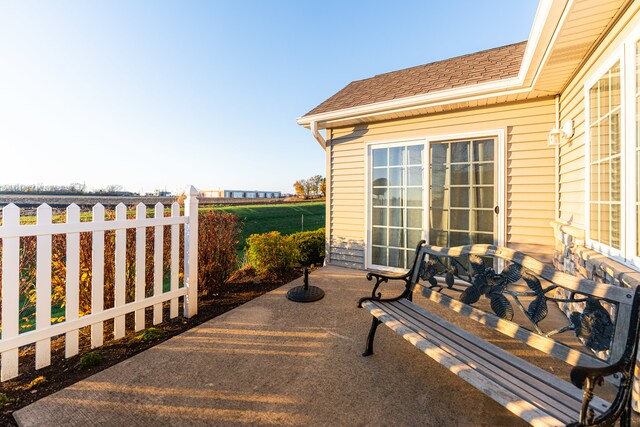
pixel 630 135
pixel 625 53
pixel 501 165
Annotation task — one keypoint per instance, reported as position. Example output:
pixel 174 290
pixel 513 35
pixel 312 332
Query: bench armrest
pixel 383 278
pixel 587 377
pixel 380 277
pixel 584 374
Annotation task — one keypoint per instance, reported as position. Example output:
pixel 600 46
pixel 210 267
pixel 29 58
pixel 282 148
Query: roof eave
pixel 419 101
pixel 548 17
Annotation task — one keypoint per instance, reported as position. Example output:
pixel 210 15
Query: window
pixel 396 204
pixel 612 99
pixel 605 158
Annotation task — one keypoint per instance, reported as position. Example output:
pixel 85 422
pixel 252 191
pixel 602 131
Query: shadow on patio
pixel 276 362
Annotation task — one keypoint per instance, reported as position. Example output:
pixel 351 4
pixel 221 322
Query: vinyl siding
pixel 572 105
pixel 530 172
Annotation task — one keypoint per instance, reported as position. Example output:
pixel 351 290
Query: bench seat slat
pixel 563 387
pixel 526 390
pixel 521 383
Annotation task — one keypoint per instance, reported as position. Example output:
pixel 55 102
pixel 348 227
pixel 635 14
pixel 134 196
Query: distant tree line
pixel 71 190
pixel 316 186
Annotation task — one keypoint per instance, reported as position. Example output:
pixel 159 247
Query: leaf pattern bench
pixel 605 318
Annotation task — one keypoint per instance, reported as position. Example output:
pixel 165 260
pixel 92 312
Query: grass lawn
pixel 285 218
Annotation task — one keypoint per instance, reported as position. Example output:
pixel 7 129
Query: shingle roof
pixel 488 65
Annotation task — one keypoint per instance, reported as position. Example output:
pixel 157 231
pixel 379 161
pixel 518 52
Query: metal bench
pixel 605 318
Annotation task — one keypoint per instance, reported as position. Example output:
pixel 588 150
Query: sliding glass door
pixel 462 192
pixel 442 191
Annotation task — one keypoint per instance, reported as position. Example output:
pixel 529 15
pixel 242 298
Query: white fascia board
pixel 336 122
pixel 541 29
pixel 413 101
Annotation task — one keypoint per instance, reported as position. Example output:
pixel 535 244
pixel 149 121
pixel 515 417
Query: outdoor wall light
pixel 556 136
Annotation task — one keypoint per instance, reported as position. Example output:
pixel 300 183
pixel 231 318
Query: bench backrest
pixel 598 313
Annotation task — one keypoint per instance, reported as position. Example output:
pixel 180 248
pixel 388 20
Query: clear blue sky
pixel 155 94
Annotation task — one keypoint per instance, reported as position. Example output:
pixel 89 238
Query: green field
pixel 285 218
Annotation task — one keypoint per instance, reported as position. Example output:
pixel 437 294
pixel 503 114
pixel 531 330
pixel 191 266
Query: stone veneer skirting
pixel 571 256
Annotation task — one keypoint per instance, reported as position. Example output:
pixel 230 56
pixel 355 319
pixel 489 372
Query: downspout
pixel 313 125
pixel 557 162
pixel 314 130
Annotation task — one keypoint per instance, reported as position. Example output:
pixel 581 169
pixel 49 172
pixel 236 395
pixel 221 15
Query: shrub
pixel 310 246
pixel 150 334
pixel 270 252
pixel 90 359
pixel 219 234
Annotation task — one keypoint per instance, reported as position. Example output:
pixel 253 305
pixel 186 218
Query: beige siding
pixel 530 172
pixel 572 161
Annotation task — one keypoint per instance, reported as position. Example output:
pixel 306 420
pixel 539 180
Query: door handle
pixel 496 209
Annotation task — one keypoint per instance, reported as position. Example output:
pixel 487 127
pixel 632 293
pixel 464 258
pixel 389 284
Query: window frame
pixel 625 55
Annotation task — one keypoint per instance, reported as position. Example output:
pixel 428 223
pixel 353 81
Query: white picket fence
pixel 11 231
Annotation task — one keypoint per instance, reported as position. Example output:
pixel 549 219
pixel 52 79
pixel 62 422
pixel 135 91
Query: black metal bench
pixel 605 318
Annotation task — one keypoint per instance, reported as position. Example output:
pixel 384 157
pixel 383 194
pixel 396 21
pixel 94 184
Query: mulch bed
pixel 243 286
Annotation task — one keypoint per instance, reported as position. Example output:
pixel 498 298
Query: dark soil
pixel 32 385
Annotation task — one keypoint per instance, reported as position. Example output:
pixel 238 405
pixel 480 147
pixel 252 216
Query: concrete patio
pixel 275 362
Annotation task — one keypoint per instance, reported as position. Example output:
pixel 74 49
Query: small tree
pixel 309 187
pixel 323 187
pixel 300 188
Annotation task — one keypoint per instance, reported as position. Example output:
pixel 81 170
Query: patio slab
pixel 275 362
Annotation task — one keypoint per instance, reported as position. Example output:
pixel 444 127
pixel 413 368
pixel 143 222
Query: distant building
pixel 239 194
pixel 159 193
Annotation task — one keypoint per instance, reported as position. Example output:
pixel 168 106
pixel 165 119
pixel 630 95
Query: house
pixel 534 146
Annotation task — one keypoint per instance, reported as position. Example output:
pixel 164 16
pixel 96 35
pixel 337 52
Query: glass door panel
pixel 396 204
pixel 462 192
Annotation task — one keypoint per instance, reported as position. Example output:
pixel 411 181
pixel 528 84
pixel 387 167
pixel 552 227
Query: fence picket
pixel 175 256
pixel 120 271
pixel 191 253
pixel 43 287
pixel 10 291
pixel 158 262
pixel 72 281
pixel 141 213
pixel 97 277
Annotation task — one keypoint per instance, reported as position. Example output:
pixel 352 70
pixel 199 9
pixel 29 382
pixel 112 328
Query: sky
pixel 164 94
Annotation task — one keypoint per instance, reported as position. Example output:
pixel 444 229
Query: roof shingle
pixel 480 67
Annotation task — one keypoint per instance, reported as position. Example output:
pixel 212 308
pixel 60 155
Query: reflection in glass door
pixel 461 193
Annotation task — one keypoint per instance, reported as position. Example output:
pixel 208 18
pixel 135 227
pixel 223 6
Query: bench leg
pixel 372 334
pixel 625 418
